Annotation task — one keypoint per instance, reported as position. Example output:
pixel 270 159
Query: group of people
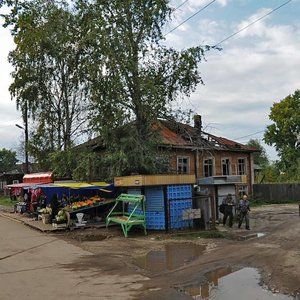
pixel 243 207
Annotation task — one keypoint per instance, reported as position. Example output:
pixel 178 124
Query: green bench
pixel 125 218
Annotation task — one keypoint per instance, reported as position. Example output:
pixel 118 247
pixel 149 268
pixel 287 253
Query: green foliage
pixel 89 167
pixel 5 201
pixel 133 77
pixel 46 83
pixel 127 153
pixel 260 158
pixel 260 202
pixel 62 163
pixel 284 134
pixel 8 160
pixel 102 62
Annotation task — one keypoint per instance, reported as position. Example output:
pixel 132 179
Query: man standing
pixel 228 206
pixel 244 211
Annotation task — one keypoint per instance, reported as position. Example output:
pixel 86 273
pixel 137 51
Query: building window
pixel 208 167
pixel 241 166
pixel 183 165
pixel 226 170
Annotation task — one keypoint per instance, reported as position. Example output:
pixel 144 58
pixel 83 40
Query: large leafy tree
pixel 8 160
pixel 47 85
pixel 134 78
pixel 284 133
pixel 109 52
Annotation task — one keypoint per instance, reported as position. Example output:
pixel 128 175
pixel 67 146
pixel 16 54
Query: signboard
pixel 191 214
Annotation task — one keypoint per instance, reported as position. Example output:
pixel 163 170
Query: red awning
pixel 17 185
pixel 46 177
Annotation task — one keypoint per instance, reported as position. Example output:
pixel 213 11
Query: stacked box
pixel 179 191
pixel 155 211
pixel 180 199
pixel 155 220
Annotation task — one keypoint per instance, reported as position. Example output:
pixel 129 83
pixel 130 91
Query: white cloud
pixel 254 70
pixel 198 4
pixel 9 134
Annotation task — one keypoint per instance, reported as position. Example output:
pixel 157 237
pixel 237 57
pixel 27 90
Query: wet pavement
pixel 225 284
pixel 173 256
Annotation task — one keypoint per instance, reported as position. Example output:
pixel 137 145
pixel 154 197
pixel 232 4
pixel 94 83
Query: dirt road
pixel 108 266
pixel 275 252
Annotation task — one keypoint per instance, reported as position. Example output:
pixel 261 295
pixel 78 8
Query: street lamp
pixel 26 146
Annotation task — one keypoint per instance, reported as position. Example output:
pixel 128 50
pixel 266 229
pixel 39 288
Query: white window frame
pixel 183 167
pixel 205 164
pixel 239 166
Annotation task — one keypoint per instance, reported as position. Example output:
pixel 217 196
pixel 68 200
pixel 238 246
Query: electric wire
pixel 243 137
pixel 196 13
pixel 180 5
pixel 250 24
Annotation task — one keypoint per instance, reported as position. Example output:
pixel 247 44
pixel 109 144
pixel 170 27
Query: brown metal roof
pixel 183 135
pixel 179 135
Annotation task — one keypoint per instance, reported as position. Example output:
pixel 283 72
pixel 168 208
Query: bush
pixel 5 201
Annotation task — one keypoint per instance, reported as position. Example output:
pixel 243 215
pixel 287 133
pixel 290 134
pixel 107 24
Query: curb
pixel 6 215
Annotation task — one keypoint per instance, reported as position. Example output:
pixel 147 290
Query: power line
pixel 250 24
pixel 197 12
pixel 180 5
pixel 242 137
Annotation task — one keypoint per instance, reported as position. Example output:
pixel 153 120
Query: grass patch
pixel 259 202
pixel 5 201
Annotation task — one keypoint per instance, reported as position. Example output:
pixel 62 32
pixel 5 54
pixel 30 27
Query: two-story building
pixel 214 160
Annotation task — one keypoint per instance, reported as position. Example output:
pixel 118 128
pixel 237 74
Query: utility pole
pixel 26 138
pixel 25 128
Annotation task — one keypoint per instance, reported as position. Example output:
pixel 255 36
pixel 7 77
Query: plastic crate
pixel 155 220
pixel 179 191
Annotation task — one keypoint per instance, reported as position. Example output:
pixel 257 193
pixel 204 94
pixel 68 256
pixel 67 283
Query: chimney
pixel 198 123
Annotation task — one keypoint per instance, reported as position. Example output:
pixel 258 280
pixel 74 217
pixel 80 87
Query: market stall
pixel 91 201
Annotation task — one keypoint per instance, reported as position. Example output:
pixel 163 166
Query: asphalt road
pixel 39 266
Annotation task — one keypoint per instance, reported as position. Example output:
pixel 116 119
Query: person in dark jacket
pixel 228 210
pixel 54 206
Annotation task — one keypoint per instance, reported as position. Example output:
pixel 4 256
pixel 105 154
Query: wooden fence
pixel 281 192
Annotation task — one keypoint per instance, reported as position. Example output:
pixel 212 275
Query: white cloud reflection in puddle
pixel 223 284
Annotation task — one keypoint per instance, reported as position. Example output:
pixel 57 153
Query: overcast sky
pixel 257 67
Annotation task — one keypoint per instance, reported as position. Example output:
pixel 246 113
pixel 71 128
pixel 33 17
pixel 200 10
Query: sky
pixel 255 68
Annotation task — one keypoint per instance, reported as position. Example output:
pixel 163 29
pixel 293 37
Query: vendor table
pixel 86 209
pixel 125 218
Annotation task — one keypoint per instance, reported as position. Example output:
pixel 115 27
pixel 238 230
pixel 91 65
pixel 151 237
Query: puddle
pixel 223 284
pixel 171 257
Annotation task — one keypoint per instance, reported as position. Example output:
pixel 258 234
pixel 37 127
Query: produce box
pixel 46 218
